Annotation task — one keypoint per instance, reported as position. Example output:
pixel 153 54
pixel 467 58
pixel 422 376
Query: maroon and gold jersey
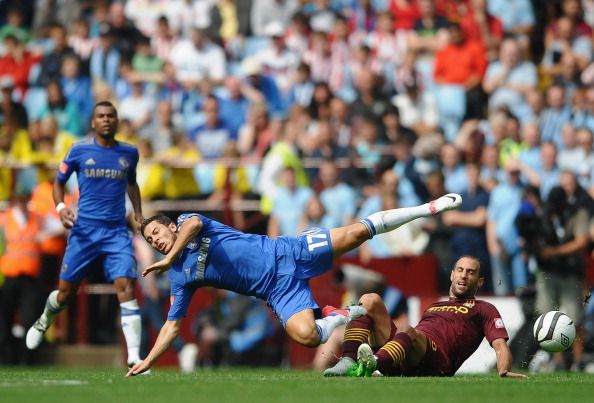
pixel 457 327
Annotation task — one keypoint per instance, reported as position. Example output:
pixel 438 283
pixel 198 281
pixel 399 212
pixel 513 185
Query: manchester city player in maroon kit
pixel 448 333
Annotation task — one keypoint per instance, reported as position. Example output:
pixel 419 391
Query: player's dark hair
pixel 160 218
pixel 105 103
pixel 476 259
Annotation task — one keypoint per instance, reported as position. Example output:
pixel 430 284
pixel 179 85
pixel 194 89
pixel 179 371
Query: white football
pixel 554 331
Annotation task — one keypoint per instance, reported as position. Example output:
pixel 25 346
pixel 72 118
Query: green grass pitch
pixel 40 385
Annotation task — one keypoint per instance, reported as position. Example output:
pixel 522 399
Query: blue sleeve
pixel 182 217
pixel 69 165
pixel 180 300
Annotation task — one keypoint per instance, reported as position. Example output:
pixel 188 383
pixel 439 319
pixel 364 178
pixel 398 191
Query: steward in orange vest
pixel 22 255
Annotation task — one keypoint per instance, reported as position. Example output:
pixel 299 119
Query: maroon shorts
pixel 435 363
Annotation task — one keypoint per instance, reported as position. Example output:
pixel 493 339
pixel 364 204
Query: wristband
pixel 61 206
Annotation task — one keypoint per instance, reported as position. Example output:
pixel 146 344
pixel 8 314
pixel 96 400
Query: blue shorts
pixel 299 259
pixel 91 241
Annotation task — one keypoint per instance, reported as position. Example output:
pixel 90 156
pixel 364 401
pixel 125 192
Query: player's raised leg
pixel 55 303
pixel 130 317
pixel 347 238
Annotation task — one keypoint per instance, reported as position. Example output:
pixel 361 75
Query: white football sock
pixel 326 326
pixel 388 220
pixel 51 310
pixel 131 326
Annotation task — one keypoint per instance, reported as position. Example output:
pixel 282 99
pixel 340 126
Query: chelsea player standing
pixel 106 170
pixel 203 252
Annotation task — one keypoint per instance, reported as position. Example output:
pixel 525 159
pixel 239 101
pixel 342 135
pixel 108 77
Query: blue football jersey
pixel 103 174
pixel 223 257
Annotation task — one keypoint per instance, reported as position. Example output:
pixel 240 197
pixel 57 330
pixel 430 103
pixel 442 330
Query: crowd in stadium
pixel 323 112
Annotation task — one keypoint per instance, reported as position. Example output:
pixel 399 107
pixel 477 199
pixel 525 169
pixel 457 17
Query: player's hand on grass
pixel 67 217
pixel 509 374
pixel 161 266
pixel 139 368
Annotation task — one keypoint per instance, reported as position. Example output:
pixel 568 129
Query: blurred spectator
pixel 76 88
pixel 149 172
pixel 517 16
pixel 454 172
pixel 164 39
pixel 389 46
pixel 198 58
pixel 62 12
pixel 21 266
pixel 283 154
pixel 82 43
pixel 585 164
pixel 145 61
pixel 469 223
pixel 65 112
pixel 256 135
pixel 508 80
pixel 138 108
pixel 566 41
pixel 560 279
pixel 266 11
pixel 237 330
pixel 531 154
pixel 582 109
pixel 392 128
pixel 276 58
pixel 569 152
pixel 256 79
pixel 214 134
pixel 14 26
pixel 301 87
pixel 429 31
pixel 179 161
pixel 508 270
pixel 105 58
pixel 52 240
pixel 51 63
pixel 370 99
pixel 405 13
pixel 161 127
pixel 315 215
pixel 339 199
pixel 418 109
pixel 459 68
pixel 10 107
pixel 289 205
pixel 123 29
pixel 511 145
pixel 478 24
pixel 17 63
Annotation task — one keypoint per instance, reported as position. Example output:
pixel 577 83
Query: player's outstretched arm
pixel 167 335
pixel 187 232
pixel 504 360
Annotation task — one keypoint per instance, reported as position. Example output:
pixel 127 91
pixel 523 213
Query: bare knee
pixel 304 334
pixel 66 294
pixel 125 288
pixel 371 302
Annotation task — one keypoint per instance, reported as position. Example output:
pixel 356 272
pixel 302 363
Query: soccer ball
pixel 554 331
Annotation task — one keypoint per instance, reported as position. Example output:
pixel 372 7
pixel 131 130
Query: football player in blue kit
pixel 203 252
pixel 106 171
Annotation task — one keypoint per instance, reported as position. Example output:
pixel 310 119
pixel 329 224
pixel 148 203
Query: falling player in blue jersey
pixel 203 252
pixel 106 171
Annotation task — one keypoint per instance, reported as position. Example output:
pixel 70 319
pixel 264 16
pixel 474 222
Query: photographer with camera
pixel 560 248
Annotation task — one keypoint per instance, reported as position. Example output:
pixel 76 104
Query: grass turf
pixel 40 385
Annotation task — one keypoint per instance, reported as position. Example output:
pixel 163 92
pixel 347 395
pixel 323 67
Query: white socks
pixel 388 220
pixel 51 310
pixel 131 327
pixel 326 326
